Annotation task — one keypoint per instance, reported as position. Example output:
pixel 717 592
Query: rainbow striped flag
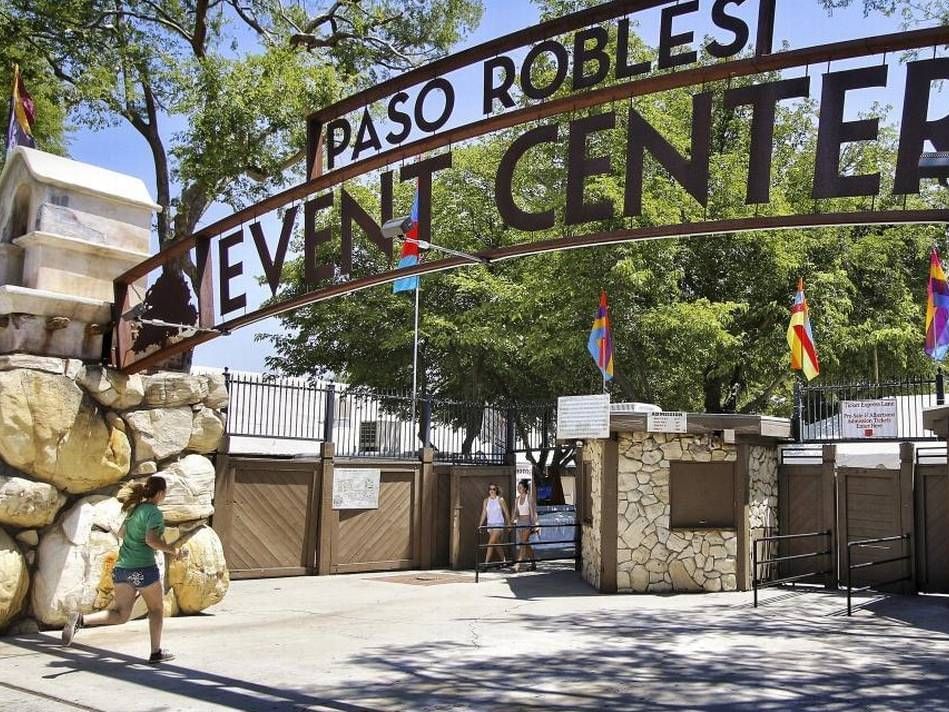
pixel 22 114
pixel 801 338
pixel 600 343
pixel 937 310
pixel 410 253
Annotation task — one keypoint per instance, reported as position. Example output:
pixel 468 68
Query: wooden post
pixel 454 551
pixel 742 472
pixel 609 515
pixel 223 494
pixel 329 517
pixel 829 510
pixel 428 497
pixel 907 514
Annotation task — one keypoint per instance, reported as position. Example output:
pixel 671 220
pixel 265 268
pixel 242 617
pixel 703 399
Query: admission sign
pixel 406 128
pixel 865 419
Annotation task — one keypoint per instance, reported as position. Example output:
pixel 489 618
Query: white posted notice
pixel 667 422
pixel 583 417
pixel 356 488
pixel 868 418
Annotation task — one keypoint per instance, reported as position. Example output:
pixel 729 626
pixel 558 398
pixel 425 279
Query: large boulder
pixel 190 490
pixel 206 431
pixel 75 560
pixel 169 390
pixel 53 432
pixel 113 389
pixel 160 433
pixel 199 578
pixel 25 504
pixel 14 580
pixel 217 390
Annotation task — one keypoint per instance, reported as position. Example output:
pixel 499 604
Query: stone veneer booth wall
pixel 652 557
pixel 72 436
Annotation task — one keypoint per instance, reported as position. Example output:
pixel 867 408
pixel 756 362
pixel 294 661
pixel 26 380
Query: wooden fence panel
pixel 385 538
pixel 932 528
pixel 871 507
pixel 265 518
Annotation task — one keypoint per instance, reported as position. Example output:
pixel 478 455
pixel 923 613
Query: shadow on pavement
pixel 195 685
pixel 706 657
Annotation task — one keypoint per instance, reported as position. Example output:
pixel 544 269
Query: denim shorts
pixel 138 578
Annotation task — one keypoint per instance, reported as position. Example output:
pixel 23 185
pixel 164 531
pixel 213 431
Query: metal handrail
pixel 757 583
pixel 851 567
pixel 484 565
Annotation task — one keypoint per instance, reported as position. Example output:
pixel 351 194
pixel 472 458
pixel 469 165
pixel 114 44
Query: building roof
pixel 67 173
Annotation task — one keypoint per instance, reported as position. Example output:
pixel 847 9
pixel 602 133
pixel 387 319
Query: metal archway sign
pixel 590 69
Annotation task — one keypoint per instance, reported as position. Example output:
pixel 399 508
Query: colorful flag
pixel 410 253
pixel 937 310
pixel 800 337
pixel 600 343
pixel 22 114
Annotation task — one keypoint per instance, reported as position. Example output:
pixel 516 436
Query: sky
pixel 799 23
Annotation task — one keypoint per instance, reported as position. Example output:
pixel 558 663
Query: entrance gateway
pixel 589 69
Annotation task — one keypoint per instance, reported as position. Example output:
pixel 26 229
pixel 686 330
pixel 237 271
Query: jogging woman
pixel 135 570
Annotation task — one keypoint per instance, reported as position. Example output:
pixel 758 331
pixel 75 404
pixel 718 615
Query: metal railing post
pixel 425 424
pixel 754 569
pixel 510 437
pixel 329 413
pixel 940 389
pixel 796 429
pixel 849 580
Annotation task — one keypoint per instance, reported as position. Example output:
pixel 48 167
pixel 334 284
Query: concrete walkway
pixel 533 641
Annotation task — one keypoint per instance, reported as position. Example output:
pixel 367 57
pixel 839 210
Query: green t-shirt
pixel 134 552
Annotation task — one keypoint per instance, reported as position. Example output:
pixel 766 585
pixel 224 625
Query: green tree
pixel 218 89
pixel 912 12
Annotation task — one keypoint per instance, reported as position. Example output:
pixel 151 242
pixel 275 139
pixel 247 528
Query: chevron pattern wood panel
pixel 801 498
pixel 934 519
pixel 268 525
pixel 386 534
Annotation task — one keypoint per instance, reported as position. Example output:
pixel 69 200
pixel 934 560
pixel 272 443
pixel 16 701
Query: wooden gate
pixel 266 515
pixel 806 504
pixel 383 539
pixel 469 487
pixel 875 503
pixel 932 528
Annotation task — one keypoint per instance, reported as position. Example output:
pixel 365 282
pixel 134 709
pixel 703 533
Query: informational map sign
pixel 356 488
pixel 583 417
pixel 868 418
pixel 667 422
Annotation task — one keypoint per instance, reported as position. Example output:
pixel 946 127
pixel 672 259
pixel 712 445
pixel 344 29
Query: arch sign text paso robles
pixel 588 67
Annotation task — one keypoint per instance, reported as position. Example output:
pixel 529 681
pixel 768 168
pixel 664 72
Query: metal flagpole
pixel 415 360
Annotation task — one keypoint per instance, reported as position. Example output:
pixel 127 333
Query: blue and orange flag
pixel 410 252
pixel 801 338
pixel 600 343
pixel 22 114
pixel 937 310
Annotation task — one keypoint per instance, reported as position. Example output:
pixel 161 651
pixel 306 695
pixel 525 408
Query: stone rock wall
pixel 762 495
pixel 72 437
pixel 651 557
pixel 590 534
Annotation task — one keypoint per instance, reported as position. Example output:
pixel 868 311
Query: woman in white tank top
pixel 494 515
pixel 527 521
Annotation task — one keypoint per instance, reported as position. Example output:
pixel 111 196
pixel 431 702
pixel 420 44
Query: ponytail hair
pixel 140 492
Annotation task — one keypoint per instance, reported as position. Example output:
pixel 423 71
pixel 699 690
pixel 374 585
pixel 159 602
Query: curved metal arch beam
pixel 700 75
pixel 612 237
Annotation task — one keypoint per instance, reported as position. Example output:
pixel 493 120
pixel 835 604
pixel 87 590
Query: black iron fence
pixel 906 558
pixel 765 573
pixel 377 423
pixel 888 411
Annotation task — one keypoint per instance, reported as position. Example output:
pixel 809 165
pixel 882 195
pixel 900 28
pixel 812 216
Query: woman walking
pixel 135 571
pixel 527 523
pixel 494 513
